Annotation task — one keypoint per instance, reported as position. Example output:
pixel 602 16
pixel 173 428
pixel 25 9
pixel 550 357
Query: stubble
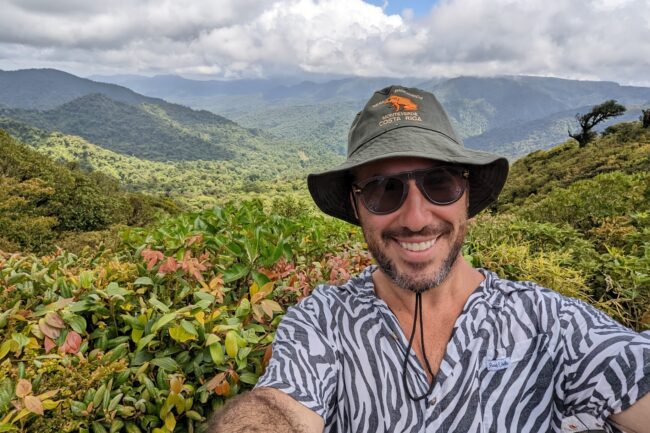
pixel 409 278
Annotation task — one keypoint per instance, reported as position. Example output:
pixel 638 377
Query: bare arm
pixel 265 410
pixel 636 418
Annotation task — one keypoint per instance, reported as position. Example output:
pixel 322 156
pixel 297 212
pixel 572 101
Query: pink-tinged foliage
pixel 72 343
pixel 152 257
pixel 48 344
pixel 170 265
pixel 193 266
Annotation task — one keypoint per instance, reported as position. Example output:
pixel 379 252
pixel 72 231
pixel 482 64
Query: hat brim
pixel 488 172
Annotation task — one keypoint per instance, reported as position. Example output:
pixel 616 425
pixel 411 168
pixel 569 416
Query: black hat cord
pixel 407 364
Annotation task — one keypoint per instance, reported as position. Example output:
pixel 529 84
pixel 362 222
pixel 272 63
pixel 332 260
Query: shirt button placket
pixel 432 424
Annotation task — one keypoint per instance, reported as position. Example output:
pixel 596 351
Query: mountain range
pixel 257 130
pixel 512 115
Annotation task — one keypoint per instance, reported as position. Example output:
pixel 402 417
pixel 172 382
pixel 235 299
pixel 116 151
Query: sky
pixel 231 39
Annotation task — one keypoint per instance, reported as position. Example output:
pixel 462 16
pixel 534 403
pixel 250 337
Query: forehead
pixel 394 165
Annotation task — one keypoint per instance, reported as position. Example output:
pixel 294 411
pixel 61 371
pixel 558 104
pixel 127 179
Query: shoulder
pixel 520 296
pixel 358 289
pixel 543 307
pixel 329 301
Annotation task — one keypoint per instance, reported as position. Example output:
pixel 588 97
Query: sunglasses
pixel 382 195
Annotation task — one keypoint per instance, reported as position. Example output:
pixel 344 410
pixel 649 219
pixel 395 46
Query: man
pixel 423 342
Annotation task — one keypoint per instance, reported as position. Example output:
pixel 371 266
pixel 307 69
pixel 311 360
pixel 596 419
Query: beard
pixel 408 279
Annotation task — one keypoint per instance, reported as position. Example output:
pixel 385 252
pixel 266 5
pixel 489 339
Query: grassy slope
pixel 626 148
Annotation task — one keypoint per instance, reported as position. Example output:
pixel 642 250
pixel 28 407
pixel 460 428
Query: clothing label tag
pixel 497 364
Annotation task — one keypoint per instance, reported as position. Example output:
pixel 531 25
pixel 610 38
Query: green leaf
pixel 166 363
pixel 5 348
pixel 235 249
pixel 163 321
pixel 114 290
pixel 6 393
pixel 211 338
pixel 21 339
pixel 77 323
pixel 216 353
pixel 203 305
pixel 235 272
pixel 189 328
pixel 80 306
pixel 141 357
pixel 204 296
pixel 144 341
pixel 232 346
pixel 181 335
pixel 243 309
pixel 115 354
pixel 136 335
pixel 133 322
pixel 260 278
pixel 159 305
pixel 249 378
pixel 86 279
pixel 143 281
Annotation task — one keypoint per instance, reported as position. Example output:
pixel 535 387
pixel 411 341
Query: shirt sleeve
pixel 606 367
pixel 304 361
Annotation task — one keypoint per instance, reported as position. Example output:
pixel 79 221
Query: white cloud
pixel 600 39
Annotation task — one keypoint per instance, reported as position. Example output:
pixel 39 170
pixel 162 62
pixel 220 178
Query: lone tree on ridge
pixel 645 118
pixel 597 114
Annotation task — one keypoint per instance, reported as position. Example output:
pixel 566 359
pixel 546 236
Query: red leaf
pixel 152 257
pixel 72 343
pixel 222 389
pixel 48 344
pixel 170 265
pixel 192 266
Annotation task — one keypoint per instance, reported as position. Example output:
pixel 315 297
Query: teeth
pixel 417 246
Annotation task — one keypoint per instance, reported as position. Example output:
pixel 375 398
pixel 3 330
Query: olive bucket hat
pixel 402 122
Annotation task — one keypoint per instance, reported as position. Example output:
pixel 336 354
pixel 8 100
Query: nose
pixel 413 212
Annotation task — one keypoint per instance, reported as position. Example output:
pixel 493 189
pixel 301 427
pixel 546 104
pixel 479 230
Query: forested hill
pixel 119 120
pixel 159 131
pixel 41 200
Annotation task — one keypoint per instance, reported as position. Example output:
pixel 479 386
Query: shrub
pixel 587 203
pixel 154 337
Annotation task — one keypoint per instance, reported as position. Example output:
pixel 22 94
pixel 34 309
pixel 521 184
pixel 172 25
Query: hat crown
pixel 397 107
pixel 406 122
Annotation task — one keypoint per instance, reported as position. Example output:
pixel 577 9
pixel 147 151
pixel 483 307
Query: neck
pixel 452 293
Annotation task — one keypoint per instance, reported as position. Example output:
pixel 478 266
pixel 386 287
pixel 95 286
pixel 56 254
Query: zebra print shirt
pixel 521 358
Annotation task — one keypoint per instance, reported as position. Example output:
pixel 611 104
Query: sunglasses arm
pixel 353 201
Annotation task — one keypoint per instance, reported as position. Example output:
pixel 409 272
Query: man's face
pixel 417 245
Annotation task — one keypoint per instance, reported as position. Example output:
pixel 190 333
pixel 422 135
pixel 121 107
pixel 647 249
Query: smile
pixel 418 246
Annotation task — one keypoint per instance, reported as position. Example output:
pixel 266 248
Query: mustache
pixel 405 232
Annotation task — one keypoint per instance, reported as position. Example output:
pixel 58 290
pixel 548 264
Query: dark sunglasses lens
pixel 443 186
pixel 383 195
